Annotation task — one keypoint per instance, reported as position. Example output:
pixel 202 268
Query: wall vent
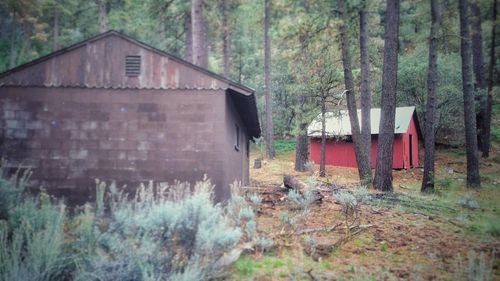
pixel 133 66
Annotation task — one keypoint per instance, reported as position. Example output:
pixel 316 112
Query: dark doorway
pixel 411 151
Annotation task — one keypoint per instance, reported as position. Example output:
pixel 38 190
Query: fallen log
pixel 293 183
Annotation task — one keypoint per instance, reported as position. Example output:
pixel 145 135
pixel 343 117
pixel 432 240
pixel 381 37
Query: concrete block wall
pixel 70 136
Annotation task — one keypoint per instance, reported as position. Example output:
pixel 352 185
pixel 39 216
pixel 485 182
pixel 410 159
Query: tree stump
pixel 257 163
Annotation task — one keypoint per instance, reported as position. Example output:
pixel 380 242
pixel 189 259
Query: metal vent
pixel 133 66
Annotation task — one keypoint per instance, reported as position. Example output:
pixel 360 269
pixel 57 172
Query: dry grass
pixel 406 241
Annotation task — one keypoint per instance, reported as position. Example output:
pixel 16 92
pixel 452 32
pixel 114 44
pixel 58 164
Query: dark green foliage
pixel 284 146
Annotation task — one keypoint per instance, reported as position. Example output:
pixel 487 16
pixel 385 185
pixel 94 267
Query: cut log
pixel 257 163
pixel 292 183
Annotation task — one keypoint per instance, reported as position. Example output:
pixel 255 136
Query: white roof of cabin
pixel 338 123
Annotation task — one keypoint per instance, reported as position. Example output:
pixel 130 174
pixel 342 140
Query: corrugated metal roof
pixel 338 123
pixel 94 63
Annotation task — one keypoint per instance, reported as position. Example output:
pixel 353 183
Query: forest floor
pixel 453 234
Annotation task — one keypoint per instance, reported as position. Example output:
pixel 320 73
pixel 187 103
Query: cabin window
pixel 133 66
pixel 236 137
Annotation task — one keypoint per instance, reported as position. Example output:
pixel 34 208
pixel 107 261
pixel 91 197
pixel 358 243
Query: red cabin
pixel 340 148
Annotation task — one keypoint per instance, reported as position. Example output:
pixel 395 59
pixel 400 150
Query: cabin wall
pixel 70 136
pixel 236 154
pixel 341 153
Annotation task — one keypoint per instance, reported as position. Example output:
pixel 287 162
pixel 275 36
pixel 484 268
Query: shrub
pixel 469 202
pixel 351 203
pixel 283 146
pixel 11 188
pixel 311 166
pixel 32 243
pixel 175 235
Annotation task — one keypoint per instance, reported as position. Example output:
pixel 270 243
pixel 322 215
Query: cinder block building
pixel 114 108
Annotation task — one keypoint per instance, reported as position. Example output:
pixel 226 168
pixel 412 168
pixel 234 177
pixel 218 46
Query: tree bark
pixel 226 42
pixel 302 149
pixel 446 40
pixel 322 161
pixel 161 30
pixel 489 99
pixel 430 107
pixel 291 182
pixel 473 180
pixel 478 66
pixel 103 16
pixel 383 173
pixel 366 95
pixel 188 33
pixel 364 165
pixel 271 153
pixel 55 31
pixel 13 51
pixel 199 36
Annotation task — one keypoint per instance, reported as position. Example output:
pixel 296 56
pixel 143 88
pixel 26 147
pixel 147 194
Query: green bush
pixel 283 146
pixel 495 135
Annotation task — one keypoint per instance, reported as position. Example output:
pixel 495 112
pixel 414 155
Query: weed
pixel 475 267
pixel 469 202
pixel 11 188
pixel 311 166
pixel 384 246
pixel 245 267
pixel 351 206
pixel 264 243
pixel 32 242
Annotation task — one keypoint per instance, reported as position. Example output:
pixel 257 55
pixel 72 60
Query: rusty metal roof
pixel 339 124
pixel 96 63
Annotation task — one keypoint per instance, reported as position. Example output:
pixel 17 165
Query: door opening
pixel 411 151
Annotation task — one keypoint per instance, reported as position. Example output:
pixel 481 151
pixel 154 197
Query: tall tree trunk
pixel 430 107
pixel 302 149
pixel 55 38
pixel 489 99
pixel 199 37
pixel 226 42
pixel 267 81
pixel 366 95
pixel 161 30
pixel 383 172
pixel 204 45
pixel 364 165
pixel 478 66
pixel 473 180
pixel 188 33
pixel 446 39
pixel 322 161
pixel 103 16
pixel 13 51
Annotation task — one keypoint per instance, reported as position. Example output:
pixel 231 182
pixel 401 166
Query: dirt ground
pixel 394 242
